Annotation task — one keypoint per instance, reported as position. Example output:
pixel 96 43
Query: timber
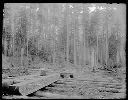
pixel 11 81
pixel 56 96
pixel 36 72
pixel 30 86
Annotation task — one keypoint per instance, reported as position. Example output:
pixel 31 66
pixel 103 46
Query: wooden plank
pixel 31 86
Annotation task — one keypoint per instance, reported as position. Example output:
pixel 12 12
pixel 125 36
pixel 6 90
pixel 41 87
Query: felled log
pixel 30 86
pixel 6 89
pixel 56 96
pixel 118 96
pixel 42 71
pixel 6 83
pixel 4 76
pixel 5 86
pixel 19 97
pixel 10 81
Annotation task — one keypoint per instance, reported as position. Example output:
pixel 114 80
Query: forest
pixel 64 50
pixel 81 35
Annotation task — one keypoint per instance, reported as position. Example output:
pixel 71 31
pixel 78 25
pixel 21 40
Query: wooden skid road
pixel 30 86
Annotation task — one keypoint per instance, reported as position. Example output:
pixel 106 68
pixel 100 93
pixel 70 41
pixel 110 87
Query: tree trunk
pixel 75 44
pixel 67 49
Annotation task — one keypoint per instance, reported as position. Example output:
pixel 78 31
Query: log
pixel 118 96
pixel 56 96
pixel 19 97
pixel 28 87
pixel 42 71
pixel 10 81
pixel 4 76
pixel 7 82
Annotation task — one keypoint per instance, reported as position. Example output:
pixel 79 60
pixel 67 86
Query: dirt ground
pixel 83 85
pixel 80 87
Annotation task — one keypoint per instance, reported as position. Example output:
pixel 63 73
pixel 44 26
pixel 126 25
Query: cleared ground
pixel 82 85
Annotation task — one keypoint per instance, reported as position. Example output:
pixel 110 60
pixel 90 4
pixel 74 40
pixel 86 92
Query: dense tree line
pixel 57 33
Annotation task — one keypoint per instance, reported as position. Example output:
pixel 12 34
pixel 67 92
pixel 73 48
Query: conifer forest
pixel 73 50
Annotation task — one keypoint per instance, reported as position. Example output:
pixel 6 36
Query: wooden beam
pixel 28 87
